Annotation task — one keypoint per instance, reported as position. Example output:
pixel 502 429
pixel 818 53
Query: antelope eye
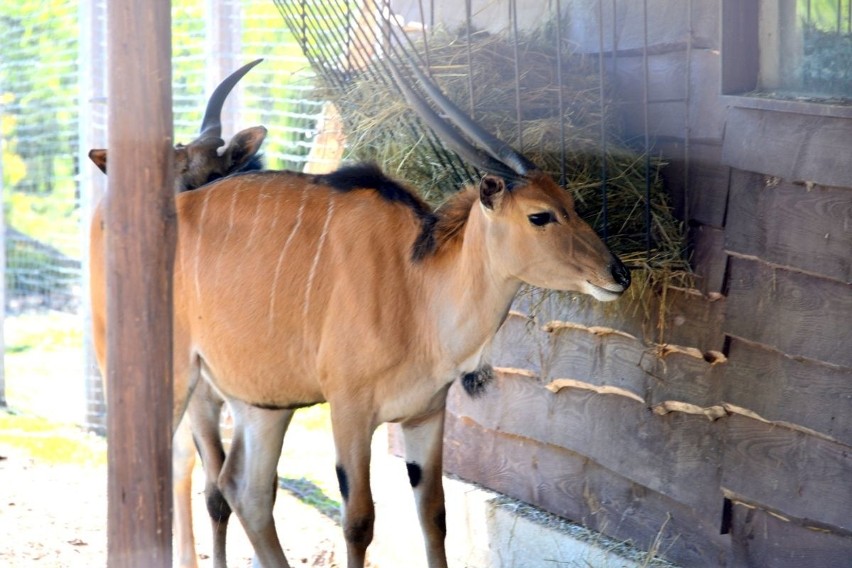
pixel 542 219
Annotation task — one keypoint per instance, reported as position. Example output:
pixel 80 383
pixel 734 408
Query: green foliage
pixel 50 332
pixel 43 355
pixel 826 65
pixel 827 62
pixel 39 86
pixel 50 442
pixel 280 93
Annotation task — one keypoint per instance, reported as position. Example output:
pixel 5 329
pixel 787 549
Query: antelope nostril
pixel 620 273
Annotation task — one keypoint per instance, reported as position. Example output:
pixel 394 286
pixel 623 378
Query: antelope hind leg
pixel 183 461
pixel 204 413
pixel 249 477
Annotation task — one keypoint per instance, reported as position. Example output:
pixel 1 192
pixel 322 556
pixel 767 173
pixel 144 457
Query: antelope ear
pixel 99 157
pixel 244 145
pixel 491 191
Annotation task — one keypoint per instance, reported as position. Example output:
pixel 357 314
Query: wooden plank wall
pixel 719 428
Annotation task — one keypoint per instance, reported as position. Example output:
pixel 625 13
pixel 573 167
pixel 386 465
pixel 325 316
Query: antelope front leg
pixel 249 478
pixel 353 432
pixel 423 456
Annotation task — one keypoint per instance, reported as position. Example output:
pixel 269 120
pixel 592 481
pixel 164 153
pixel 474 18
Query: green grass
pixel 50 442
pixel 50 332
pixel 44 365
pixel 306 467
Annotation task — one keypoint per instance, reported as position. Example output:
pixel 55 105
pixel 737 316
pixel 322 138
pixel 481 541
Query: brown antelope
pixel 347 288
pixel 205 159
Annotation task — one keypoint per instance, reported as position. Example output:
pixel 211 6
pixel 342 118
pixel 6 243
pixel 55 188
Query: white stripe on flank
pixel 283 253
pixel 256 218
pixel 315 264
pixel 198 242
pixel 233 208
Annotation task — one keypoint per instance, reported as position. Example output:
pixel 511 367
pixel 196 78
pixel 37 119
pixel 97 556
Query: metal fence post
pixel 92 185
pixel 3 280
pixel 222 27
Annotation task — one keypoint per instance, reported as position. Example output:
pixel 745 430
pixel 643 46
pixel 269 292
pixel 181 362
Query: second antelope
pixel 203 160
pixel 348 288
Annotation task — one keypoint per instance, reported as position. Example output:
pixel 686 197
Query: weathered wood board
pixel 799 475
pixel 709 179
pixel 519 344
pixel 795 390
pixel 809 228
pixel 605 357
pixel 671 454
pixel 709 260
pixel 740 66
pixel 760 538
pixel 572 486
pixel 794 147
pixel 699 189
pixel 672 111
pixel 690 319
pixel 799 314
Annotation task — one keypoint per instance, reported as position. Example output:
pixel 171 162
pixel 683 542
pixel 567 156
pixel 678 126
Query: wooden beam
pixel 140 239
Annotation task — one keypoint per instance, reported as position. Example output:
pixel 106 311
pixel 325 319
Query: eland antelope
pixel 294 289
pixel 203 160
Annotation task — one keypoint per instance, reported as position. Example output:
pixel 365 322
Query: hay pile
pixel 380 127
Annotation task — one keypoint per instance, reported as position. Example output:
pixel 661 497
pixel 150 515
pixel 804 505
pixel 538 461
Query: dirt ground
pixel 55 515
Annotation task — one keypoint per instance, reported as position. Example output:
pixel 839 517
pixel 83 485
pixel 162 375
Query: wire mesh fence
pixel 53 108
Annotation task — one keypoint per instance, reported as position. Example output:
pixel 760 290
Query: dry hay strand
pixel 380 128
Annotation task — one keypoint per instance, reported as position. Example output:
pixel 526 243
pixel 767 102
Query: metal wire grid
pixel 347 37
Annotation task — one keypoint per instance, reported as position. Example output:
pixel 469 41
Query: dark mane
pixel 370 176
pixel 253 165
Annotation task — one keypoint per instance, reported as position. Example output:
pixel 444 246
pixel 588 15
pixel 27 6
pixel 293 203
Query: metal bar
pixel 449 159
pixel 92 38
pixel 425 35
pixel 687 127
pixel 513 14
pixel 300 29
pixel 349 68
pixel 646 126
pixel 360 39
pixel 469 20
pixel 601 87
pixel 140 238
pixel 560 97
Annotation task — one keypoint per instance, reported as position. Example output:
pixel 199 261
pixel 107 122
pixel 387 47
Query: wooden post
pixel 140 239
